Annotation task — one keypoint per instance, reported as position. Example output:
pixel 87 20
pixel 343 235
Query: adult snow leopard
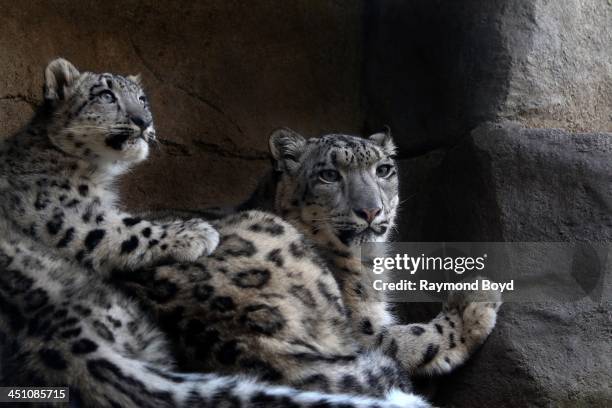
pixel 61 234
pixel 341 191
pixel 260 305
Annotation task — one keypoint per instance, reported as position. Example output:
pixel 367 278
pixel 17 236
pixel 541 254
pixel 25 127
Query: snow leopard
pixel 62 235
pixel 259 305
pixel 59 174
pixel 342 191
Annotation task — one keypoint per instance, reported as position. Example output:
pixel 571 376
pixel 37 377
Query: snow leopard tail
pixel 106 379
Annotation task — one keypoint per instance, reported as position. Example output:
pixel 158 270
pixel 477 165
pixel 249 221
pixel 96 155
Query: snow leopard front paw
pixel 191 239
pixel 460 300
pixel 478 309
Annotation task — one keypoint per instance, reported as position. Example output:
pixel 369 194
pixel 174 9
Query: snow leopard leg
pixel 435 347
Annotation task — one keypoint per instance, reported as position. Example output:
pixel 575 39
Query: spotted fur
pixel 330 214
pixel 267 304
pixel 264 303
pixel 333 215
pixel 61 235
pixel 62 326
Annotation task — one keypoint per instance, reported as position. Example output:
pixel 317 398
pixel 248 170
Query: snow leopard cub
pixel 58 174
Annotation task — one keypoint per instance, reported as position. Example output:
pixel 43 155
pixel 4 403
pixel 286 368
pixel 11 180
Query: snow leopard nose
pixel 140 122
pixel 367 214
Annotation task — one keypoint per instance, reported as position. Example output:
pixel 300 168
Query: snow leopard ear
pixel 60 77
pixel 384 140
pixel 137 79
pixel 286 146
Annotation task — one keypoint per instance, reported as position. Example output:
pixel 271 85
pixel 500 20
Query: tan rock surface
pixel 221 75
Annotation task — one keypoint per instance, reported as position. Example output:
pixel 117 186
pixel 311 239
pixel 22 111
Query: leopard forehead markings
pixel 344 150
pixel 333 209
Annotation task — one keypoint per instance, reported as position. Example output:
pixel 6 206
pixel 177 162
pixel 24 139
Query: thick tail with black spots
pixel 367 372
pixel 106 379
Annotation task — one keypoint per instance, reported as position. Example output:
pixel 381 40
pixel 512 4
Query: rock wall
pixel 435 69
pixel 221 76
pixel 502 108
pixel 506 182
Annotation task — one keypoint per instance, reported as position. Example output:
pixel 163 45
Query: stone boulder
pixel 506 182
pixel 436 69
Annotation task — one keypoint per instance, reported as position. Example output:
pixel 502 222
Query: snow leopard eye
pixel 107 96
pixel 143 100
pixel 384 170
pixel 329 176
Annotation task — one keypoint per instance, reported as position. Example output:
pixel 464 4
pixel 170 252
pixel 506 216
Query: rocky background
pixel 221 76
pixel 502 110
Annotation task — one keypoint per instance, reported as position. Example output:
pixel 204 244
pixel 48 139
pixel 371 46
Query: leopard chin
pixel 359 236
